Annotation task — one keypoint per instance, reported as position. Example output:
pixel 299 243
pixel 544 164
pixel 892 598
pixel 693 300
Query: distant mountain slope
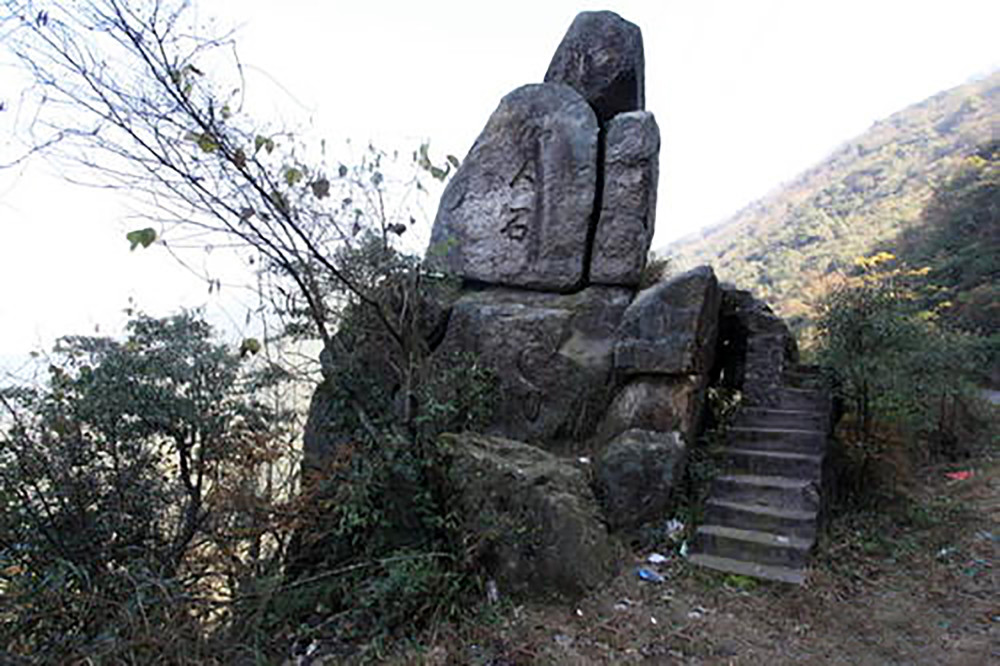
pixel 858 200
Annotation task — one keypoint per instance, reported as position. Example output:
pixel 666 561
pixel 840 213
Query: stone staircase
pixel 763 513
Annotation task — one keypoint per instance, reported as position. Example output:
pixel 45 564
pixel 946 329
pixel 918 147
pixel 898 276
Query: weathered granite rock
pixel 601 56
pixel 531 517
pixel 636 476
pixel 628 207
pixel 552 353
pixel 517 211
pixel 657 402
pixel 670 328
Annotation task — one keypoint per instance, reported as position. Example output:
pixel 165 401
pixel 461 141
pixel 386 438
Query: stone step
pixel 775 463
pixel 763 518
pixel 752 545
pixel 791 398
pixel 777 439
pixel 771 491
pixel 802 381
pixel 767 572
pixel 797 419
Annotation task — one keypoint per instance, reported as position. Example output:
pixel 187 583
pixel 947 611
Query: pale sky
pixel 747 94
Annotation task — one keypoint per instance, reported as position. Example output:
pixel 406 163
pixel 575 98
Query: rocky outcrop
pixel 531 518
pixel 518 210
pixel 601 56
pixel 547 223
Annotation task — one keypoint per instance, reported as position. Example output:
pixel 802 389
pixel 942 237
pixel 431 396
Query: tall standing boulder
pixel 518 210
pixel 601 56
pixel 628 202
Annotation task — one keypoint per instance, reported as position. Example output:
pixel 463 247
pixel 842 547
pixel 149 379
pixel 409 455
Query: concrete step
pixel 795 419
pixel 777 439
pixel 775 463
pixel 780 574
pixel 752 545
pixel 772 491
pixel 762 518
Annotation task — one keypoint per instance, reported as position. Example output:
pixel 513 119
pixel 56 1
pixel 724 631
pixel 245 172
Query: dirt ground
pixel 912 583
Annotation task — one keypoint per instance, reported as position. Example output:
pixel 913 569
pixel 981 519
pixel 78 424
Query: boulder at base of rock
pixel 531 518
pixel 655 402
pixel 552 354
pixel 637 474
pixel 517 211
pixel 671 327
pixel 601 56
pixel 628 207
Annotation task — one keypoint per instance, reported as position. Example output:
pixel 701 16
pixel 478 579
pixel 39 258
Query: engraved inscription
pixel 520 208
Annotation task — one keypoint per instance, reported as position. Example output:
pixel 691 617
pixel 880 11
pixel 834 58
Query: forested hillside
pixel 919 173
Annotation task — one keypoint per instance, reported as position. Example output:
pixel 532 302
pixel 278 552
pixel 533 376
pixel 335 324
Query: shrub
pixel 898 368
pixel 132 494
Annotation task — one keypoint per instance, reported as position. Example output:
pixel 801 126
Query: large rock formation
pixel 549 229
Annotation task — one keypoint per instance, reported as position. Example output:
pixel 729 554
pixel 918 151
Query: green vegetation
pixel 958 238
pixel 895 364
pixel 140 489
pixel 139 97
pixel 919 170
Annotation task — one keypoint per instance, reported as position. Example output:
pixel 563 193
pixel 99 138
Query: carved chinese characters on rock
pixel 518 209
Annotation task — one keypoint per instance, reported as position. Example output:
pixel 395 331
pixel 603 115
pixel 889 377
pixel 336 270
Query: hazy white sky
pixel 747 93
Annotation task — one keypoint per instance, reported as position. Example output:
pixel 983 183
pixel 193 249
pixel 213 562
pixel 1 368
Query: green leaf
pixel 264 142
pixel 207 143
pixel 292 175
pixel 453 160
pixel 144 237
pixel 342 171
pixel 250 346
pixel 439 174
